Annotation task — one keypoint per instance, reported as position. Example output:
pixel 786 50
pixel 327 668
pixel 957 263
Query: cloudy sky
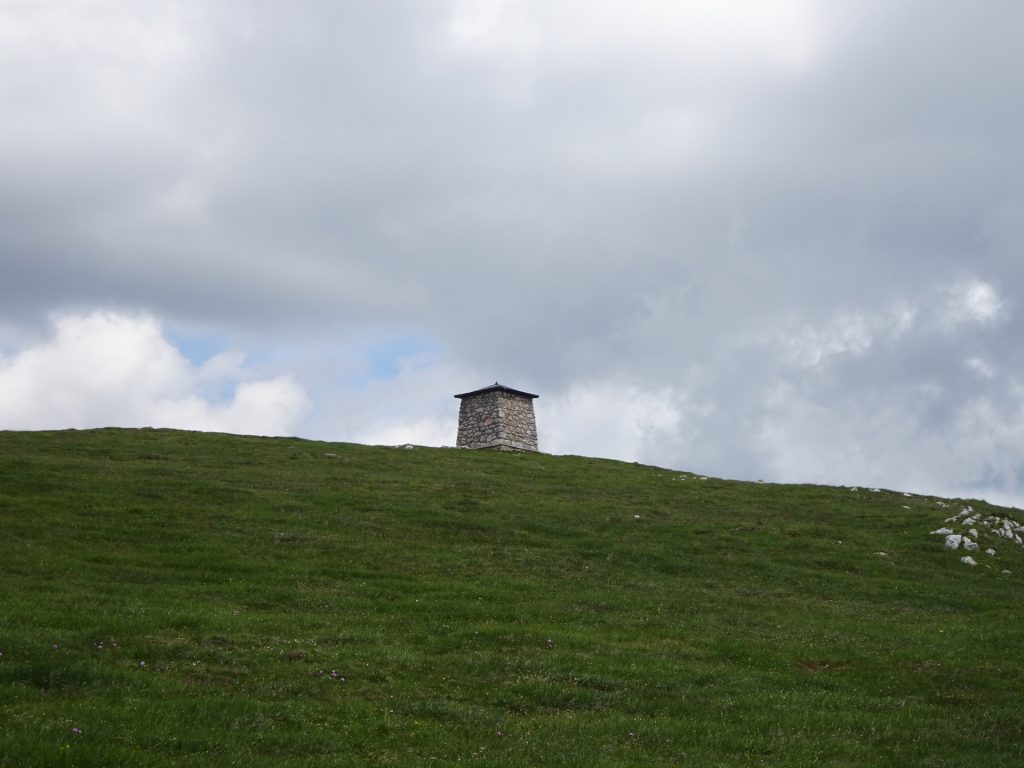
pixel 778 240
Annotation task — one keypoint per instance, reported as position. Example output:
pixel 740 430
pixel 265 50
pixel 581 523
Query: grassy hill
pixel 172 598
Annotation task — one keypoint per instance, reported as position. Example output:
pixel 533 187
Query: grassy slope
pixel 298 603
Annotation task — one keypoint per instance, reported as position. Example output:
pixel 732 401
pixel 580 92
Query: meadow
pixel 174 598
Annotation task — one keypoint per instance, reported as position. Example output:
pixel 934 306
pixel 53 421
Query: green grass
pixel 278 602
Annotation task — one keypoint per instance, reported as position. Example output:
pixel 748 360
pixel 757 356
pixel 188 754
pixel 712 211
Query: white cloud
pixel 437 431
pixel 223 365
pixel 785 32
pixel 608 419
pixel 973 302
pixel 412 403
pixel 113 369
pixel 981 366
pixel 114 62
pixel 845 333
pixel 487 26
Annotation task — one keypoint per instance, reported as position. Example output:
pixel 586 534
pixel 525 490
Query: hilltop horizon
pixel 765 240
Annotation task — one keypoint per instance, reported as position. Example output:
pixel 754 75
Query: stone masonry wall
pixel 500 420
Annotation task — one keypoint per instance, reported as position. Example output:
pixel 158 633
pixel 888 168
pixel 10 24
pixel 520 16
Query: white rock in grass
pixel 974 533
pixel 968 560
pixel 942 532
pixel 970 521
pixel 990 552
pixel 970 546
pixel 953 541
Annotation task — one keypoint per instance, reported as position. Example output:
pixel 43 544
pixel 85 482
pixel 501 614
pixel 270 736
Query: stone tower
pixel 497 417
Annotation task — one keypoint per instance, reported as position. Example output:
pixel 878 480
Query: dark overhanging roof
pixel 496 387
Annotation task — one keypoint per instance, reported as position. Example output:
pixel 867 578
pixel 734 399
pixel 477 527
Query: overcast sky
pixel 757 239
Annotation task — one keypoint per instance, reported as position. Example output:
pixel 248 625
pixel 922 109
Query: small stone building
pixel 497 417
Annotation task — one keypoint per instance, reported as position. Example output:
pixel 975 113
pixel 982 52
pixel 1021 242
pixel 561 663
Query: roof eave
pixel 496 387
